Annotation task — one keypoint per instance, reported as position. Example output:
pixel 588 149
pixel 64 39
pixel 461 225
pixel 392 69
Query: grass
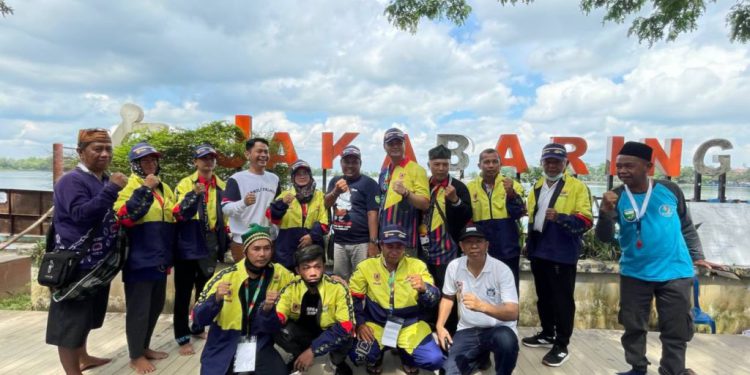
pixel 19 302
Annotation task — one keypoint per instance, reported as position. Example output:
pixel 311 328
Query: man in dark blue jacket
pixel 201 238
pixel 83 207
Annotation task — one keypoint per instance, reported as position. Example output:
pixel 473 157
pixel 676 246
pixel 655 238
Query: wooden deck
pixel 22 351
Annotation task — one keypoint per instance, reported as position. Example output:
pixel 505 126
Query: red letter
pixel 285 143
pixel 668 159
pixel 574 155
pixel 244 122
pixel 509 142
pixel 331 150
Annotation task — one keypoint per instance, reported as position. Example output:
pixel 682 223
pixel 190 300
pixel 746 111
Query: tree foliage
pixel 176 147
pixel 666 19
pixel 5 9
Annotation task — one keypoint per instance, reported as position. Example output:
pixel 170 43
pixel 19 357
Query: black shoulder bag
pixel 58 267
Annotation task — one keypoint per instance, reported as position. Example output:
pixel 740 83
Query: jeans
pixel 470 345
pixel 346 257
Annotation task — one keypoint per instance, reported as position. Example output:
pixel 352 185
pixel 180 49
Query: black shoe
pixel 632 372
pixel 556 357
pixel 484 363
pixel 343 369
pixel 538 341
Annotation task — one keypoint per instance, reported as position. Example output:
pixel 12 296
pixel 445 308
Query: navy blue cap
pixel 393 133
pixel 394 233
pixel 142 149
pixel 351 151
pixel 203 149
pixel 555 151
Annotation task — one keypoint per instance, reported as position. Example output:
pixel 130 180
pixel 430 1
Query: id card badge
pixel 424 240
pixel 391 331
pixel 244 358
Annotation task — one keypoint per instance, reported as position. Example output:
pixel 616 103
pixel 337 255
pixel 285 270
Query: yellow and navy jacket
pixel 296 220
pixel 560 240
pixel 226 317
pixel 393 208
pixel 335 313
pixel 147 216
pixel 444 221
pixel 197 216
pixel 370 288
pixel 496 215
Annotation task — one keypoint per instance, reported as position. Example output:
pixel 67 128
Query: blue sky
pixel 538 71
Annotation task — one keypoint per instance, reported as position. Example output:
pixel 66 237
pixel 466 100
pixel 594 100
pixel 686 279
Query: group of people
pixel 427 267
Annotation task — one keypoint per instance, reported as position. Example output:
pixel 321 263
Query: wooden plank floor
pixel 23 351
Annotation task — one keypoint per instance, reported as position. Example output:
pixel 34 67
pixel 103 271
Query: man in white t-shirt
pixel 488 309
pixel 248 194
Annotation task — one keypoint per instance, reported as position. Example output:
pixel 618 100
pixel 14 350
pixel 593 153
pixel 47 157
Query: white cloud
pixel 537 71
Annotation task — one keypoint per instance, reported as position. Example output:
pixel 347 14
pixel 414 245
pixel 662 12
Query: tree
pixel 5 9
pixel 176 147
pixel 667 19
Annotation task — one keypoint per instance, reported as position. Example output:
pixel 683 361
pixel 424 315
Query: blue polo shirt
pixel 664 254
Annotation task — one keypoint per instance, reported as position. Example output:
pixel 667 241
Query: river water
pixel 42 180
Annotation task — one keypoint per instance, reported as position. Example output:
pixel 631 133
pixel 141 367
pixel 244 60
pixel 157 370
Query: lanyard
pixel 639 212
pixel 391 282
pixel 251 304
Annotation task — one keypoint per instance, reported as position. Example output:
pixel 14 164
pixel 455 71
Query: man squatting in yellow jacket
pixel 238 305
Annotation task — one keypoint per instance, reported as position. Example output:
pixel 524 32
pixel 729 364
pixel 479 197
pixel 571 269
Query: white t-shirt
pixel 265 186
pixel 495 285
pixel 545 196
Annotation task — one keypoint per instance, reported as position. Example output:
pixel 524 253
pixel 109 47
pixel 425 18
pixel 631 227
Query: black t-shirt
pixel 308 315
pixel 351 207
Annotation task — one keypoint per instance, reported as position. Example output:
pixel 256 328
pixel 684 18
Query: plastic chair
pixel 700 317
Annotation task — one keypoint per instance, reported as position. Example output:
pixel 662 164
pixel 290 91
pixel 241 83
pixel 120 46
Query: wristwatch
pixel 374 240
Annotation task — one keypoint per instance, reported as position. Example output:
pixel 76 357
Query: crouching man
pixel 487 306
pixel 238 304
pixel 317 314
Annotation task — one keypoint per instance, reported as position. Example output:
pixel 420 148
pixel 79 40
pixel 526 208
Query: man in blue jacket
pixel 83 201
pixel 201 238
pixel 559 214
pixel 659 246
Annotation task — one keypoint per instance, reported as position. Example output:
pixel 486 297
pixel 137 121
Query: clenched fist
pixel 450 194
pixel 417 283
pixel 341 187
pixel 199 188
pixel 223 289
pixel 151 181
pixel 399 187
pixel 249 199
pixel 271 297
pixel 288 198
pixel 609 200
pixel 118 179
pixel 508 185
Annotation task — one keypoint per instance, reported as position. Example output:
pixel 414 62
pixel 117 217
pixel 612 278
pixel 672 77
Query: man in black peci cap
pixel 659 246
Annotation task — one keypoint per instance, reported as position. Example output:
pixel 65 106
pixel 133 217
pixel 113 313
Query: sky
pixel 537 71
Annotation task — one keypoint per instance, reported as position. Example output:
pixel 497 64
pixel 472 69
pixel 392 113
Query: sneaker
pixel 538 341
pixel 632 372
pixel 556 357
